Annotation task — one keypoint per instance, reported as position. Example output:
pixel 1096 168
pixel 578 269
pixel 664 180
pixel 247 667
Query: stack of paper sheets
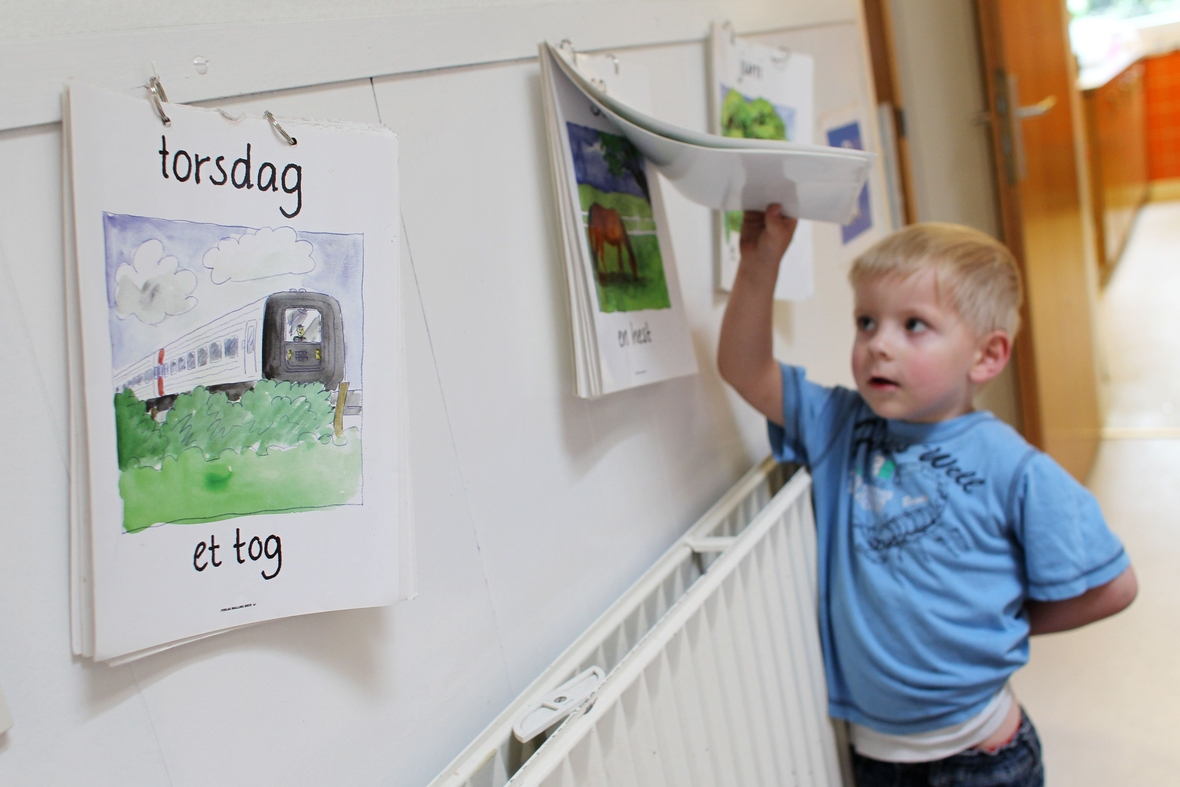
pixel 233 305
pixel 732 173
pixel 629 326
pixel 605 150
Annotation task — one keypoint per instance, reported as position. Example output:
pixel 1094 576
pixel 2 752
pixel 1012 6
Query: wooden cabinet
pixel 1116 118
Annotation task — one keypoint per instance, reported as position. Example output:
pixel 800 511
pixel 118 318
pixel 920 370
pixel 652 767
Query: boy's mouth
pixel 882 383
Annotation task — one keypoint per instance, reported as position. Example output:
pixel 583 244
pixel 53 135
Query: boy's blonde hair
pixel 976 272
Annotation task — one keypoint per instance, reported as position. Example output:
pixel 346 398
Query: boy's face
pixel 914 358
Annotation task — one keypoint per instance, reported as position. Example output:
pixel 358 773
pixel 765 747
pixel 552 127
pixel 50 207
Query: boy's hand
pixel 766 236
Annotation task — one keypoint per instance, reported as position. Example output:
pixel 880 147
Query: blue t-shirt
pixel 931 537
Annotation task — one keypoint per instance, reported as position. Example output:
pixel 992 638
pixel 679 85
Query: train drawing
pixel 295 336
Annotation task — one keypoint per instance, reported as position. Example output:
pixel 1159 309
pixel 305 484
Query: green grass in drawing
pixel 211 458
pixel 190 489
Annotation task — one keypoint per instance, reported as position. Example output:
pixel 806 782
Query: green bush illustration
pixel 751 119
pixel 273 414
pixel 212 458
pixel 137 434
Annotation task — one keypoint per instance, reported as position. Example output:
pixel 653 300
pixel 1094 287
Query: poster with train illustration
pixel 627 264
pixel 238 398
pixel 231 395
pixel 762 92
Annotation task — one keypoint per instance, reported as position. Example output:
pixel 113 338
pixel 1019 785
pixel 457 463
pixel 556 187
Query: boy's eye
pixel 864 323
pixel 915 325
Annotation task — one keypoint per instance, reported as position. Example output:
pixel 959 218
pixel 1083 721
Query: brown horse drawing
pixel 605 228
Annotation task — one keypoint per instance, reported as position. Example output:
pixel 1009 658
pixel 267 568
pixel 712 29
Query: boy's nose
pixel 880 345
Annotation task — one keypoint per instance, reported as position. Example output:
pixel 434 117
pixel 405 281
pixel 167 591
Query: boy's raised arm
pixel 745 350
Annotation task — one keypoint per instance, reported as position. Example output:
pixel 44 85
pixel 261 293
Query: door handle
pixel 1036 110
pixel 1013 114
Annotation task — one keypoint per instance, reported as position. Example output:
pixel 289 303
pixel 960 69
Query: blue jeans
pixel 1016 764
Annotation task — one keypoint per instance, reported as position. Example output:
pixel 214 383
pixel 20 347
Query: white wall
pixel 940 69
pixel 534 509
pixel 939 66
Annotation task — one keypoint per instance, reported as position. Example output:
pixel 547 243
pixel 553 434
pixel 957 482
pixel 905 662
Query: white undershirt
pixel 935 744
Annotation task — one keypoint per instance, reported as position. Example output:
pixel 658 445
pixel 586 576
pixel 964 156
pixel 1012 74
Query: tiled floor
pixel 1140 317
pixel 1106 698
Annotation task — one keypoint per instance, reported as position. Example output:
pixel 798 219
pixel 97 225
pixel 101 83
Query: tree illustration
pixel 755 119
pixel 623 157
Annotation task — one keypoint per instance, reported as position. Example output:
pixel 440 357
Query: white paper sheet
pixel 213 256
pixel 725 173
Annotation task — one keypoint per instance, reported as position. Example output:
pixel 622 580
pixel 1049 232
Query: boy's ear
pixel 991 356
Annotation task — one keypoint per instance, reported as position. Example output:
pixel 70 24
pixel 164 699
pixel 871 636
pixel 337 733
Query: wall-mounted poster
pixel 238 381
pixel 629 324
pixel 762 92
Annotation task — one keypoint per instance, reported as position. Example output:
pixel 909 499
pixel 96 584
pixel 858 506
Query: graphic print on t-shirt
pixel 900 493
pixel 896 504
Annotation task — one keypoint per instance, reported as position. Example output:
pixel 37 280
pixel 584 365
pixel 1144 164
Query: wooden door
pixel 879 29
pixel 1035 113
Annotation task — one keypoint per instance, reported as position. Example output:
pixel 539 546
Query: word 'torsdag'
pixel 241 174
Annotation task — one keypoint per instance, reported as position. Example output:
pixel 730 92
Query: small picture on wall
pixel 760 91
pixel 849 135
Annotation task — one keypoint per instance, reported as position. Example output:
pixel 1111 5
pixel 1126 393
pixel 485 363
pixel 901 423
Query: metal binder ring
pixel 567 44
pixel 614 60
pixel 275 124
pixel 159 98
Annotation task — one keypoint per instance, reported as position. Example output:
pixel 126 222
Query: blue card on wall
pixel 849 136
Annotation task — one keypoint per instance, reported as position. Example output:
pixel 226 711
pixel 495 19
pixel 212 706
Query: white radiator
pixel 713 668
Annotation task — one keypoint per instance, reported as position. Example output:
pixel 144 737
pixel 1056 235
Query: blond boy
pixel 945 540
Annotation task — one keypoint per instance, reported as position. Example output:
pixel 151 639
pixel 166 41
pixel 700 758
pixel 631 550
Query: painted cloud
pixel 153 286
pixel 259 255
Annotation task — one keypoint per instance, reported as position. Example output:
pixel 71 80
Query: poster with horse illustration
pixel 620 251
pixel 236 358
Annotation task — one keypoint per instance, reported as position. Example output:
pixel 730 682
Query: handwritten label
pixel 241 174
pixel 749 69
pixel 255 549
pixel 633 335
